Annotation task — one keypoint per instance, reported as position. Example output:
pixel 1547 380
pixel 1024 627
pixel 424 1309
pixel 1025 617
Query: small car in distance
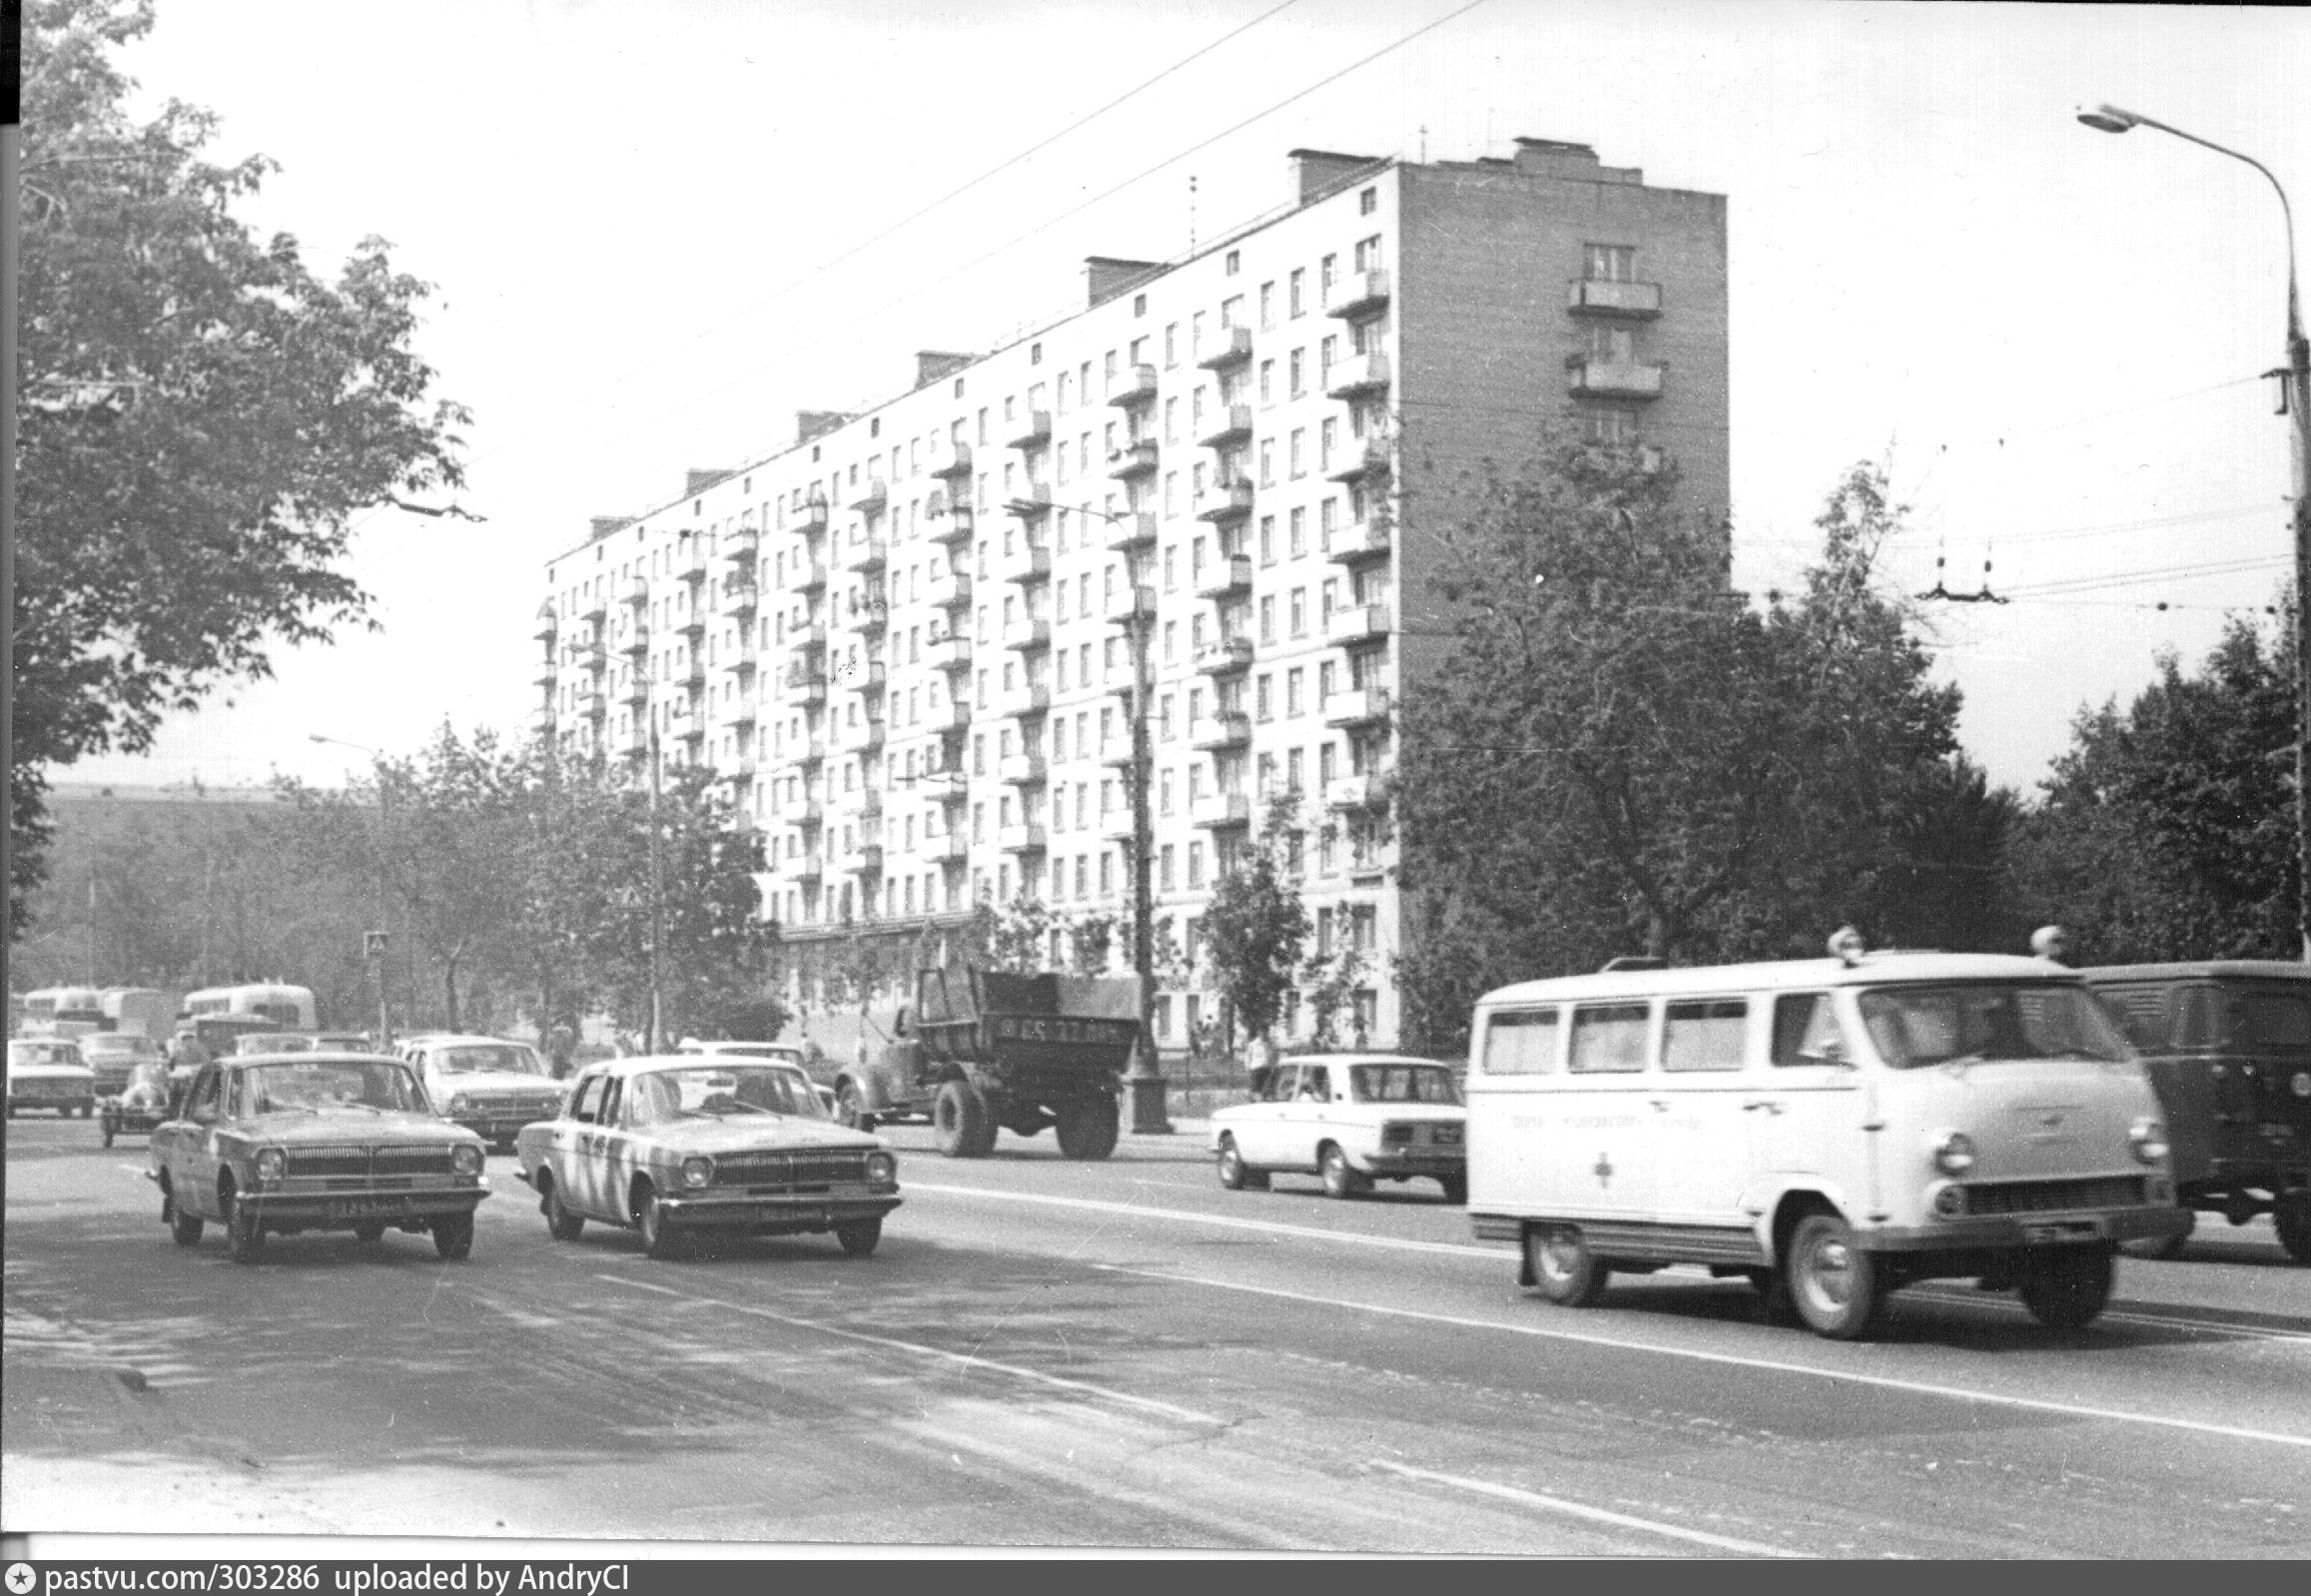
pixel 314 1142
pixel 678 1146
pixel 488 1084
pixel 113 1056
pixel 46 1073
pixel 1350 1119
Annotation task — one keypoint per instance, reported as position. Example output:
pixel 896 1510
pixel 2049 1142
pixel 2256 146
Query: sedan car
pixel 488 1084
pixel 114 1057
pixel 314 1142
pixel 1350 1119
pixel 46 1073
pixel 677 1145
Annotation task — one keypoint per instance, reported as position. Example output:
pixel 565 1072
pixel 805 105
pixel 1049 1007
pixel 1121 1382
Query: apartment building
pixel 905 638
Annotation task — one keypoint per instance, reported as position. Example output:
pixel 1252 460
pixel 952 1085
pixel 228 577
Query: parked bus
pixel 139 1012
pixel 290 1008
pixel 64 1011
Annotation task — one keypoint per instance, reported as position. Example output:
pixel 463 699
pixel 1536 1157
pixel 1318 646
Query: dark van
pixel 2228 1045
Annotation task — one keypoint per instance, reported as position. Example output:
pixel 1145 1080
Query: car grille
pixel 371 1163
pixel 790 1168
pixel 2049 1197
pixel 507 1108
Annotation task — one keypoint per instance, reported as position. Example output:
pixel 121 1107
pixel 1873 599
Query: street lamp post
pixel 2295 404
pixel 1145 1081
pixel 375 942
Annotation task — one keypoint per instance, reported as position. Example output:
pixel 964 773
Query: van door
pixel 1805 1114
pixel 1699 1122
pixel 1606 1115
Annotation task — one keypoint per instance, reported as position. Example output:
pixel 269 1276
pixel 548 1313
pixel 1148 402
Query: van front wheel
pixel 1837 1287
pixel 1569 1273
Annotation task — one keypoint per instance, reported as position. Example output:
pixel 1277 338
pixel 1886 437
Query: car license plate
pixel 367 1207
pixel 2066 1230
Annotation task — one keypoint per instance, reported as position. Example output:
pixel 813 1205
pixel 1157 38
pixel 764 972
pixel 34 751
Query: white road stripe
pixel 1773 1365
pixel 968 1359
pixel 1602 1515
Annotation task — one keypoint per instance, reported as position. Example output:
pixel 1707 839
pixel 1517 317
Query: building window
pixel 1268 539
pixel 1609 263
pixel 1299 376
pixel 1234 262
pixel 1299 608
pixel 1292 681
pixel 1035 354
pixel 1267 464
pixel 1264 697
pixel 1163 883
pixel 1368 254
pixel 1171 345
pixel 1267 374
pixel 1195 865
pixel 1297 291
pixel 1268 306
pixel 1329 271
pixel 1138 306
pixel 1368 200
pixel 1300 459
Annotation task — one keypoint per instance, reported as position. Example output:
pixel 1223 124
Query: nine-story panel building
pixel 904 639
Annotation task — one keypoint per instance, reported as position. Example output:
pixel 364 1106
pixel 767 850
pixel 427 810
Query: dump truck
pixel 983 1049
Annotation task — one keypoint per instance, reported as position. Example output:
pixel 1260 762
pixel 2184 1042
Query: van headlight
pixel 697 1172
pixel 882 1169
pixel 2148 1139
pixel 466 1159
pixel 2301 1084
pixel 272 1164
pixel 1955 1154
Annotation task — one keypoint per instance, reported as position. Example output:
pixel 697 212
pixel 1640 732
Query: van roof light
pixel 2050 943
pixel 1846 946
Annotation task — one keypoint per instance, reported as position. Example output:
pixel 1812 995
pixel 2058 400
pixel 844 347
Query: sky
pixel 660 227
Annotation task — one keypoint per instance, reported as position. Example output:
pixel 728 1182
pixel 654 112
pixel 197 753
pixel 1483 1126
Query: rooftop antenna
pixel 1423 144
pixel 1190 213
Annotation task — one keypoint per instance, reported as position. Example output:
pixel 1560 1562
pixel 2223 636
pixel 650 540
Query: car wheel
pixel 1087 1129
pixel 1235 1173
pixel 453 1235
pixel 244 1229
pixel 659 1238
pixel 2161 1246
pixel 1455 1189
pixel 1569 1275
pixel 1339 1180
pixel 959 1120
pixel 2292 1217
pixel 1837 1287
pixel 184 1229
pixel 850 1107
pixel 860 1236
pixel 2065 1287
pixel 561 1223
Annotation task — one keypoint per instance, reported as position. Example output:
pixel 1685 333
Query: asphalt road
pixel 1117 1354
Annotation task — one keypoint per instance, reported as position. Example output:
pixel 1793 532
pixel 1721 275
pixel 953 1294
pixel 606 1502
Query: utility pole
pixel 657 1038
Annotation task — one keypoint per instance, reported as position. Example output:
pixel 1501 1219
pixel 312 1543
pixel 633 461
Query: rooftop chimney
pixel 932 365
pixel 1106 275
pixel 1556 158
pixel 1315 171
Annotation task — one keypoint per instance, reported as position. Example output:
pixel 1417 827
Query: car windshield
pixel 332 1087
pixel 718 1090
pixel 1402 1083
pixel 1982 1021
pixel 504 1058
pixel 43 1053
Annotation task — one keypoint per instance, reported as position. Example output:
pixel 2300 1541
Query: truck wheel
pixel 2292 1216
pixel 2065 1287
pixel 958 1119
pixel 850 1107
pixel 1087 1129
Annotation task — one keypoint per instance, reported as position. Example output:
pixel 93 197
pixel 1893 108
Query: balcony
pixel 812 752
pixel 1029 698
pixel 1028 634
pixel 952 529
pixel 742 715
pixel 1131 533
pixel 1032 431
pixel 864 859
pixel 1136 458
pixel 952 591
pixel 541 720
pixel 637 593
pixel 1230 577
pixel 590 703
pixel 593 609
pixel 740 597
pixel 1219 811
pixel 747 658
pixel 1021 770
pixel 1357 624
pixel 1229 429
pixel 1032 504
pixel 868 616
pixel 1359 708
pixel 1025 838
pixel 1131 605
pixel 952 715
pixel 1374 459
pixel 808 576
pixel 1352 794
pixel 805 866
pixel 690 563
pixel 1233 348
pixel 866 554
pixel 949 849
pixel 808 636
pixel 693 676
pixel 1357 294
pixel 872 498
pixel 635 743
pixel 692 625
pixel 869 677
pixel 811 518
pixel 1586 297
pixel 950 653
pixel 1135 385
pixel 958 469
pixel 807 688
pixel 864 738
pixel 547 674
pixel 1358 373
pixel 744 545
pixel 1366 539
pixel 1030 562
pixel 591 656
pixel 1224 657
pixel 1116 826
pixel 548 624
pixel 1591 378
pixel 1230 501
pixel 636 693
pixel 1218 732
pixel 871 803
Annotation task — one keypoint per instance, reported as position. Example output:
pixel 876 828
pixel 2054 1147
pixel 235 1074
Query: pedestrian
pixel 560 1047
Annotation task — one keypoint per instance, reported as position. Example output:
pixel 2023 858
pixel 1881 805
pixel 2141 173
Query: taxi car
pixel 1350 1119
pixel 488 1084
pixel 314 1142
pixel 46 1073
pixel 114 1055
pixel 679 1145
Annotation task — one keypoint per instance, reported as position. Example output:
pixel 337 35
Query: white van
pixel 1833 1128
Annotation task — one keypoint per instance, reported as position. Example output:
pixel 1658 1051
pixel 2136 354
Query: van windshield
pixel 1976 1022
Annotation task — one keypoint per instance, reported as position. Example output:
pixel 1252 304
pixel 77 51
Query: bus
pixel 290 1008
pixel 64 1011
pixel 139 1011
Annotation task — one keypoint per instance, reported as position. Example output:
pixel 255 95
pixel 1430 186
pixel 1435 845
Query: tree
pixel 1619 753
pixel 199 419
pixel 2169 831
pixel 1255 925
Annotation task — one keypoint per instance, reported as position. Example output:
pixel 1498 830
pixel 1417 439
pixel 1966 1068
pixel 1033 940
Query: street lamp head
pixel 2109 118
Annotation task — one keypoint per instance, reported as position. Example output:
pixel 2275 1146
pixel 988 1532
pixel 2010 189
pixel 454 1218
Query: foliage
pixel 1619 753
pixel 199 418
pixel 1333 979
pixel 1255 925
pixel 2169 831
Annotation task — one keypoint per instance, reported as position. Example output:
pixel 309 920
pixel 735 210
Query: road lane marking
pixel 968 1359
pixel 1735 1359
pixel 1602 1515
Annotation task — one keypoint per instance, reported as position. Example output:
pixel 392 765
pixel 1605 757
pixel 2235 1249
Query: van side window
pixel 1521 1042
pixel 2140 1013
pixel 588 1106
pixel 2196 1022
pixel 1608 1039
pixel 1705 1034
pixel 2270 1020
pixel 1805 1031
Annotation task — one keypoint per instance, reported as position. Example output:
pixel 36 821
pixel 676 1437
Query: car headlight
pixel 1955 1154
pixel 466 1160
pixel 2301 1084
pixel 2148 1139
pixel 697 1172
pixel 272 1164
pixel 882 1169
